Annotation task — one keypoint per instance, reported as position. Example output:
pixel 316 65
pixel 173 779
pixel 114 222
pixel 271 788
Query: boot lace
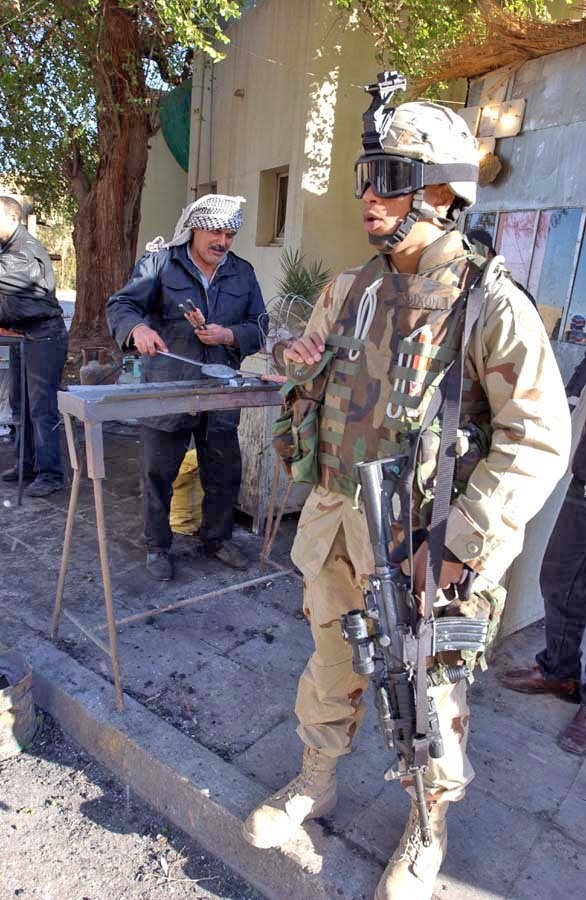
pixel 414 844
pixel 303 781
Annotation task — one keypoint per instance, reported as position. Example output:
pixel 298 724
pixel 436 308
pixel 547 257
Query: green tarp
pixel 174 112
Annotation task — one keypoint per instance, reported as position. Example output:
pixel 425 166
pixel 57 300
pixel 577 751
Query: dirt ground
pixel 70 831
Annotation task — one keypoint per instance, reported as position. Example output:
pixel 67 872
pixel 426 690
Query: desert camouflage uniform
pixel 514 402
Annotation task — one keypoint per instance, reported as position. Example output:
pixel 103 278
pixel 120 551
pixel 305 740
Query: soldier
pixel 378 337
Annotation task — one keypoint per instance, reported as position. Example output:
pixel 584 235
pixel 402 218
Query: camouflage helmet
pixel 436 137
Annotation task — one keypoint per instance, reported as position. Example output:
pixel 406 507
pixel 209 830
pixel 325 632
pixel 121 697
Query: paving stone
pixel 193 787
pixel 283 647
pixel 545 714
pixel 151 655
pixel 379 825
pixel 44 543
pixel 123 516
pixel 26 516
pixel 519 763
pixel 573 809
pixel 556 867
pixel 228 621
pixel 276 758
pixel 488 843
pixel 235 706
pixel 232 662
pixel 479 863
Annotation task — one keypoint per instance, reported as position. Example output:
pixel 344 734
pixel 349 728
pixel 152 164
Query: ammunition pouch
pixel 475 620
pixel 296 431
pixel 460 633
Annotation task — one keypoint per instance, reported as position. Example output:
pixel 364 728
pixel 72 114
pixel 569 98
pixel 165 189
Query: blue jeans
pixel 563 585
pixel 45 354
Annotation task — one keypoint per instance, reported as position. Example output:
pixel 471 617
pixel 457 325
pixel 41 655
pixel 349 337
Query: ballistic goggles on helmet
pixel 392 176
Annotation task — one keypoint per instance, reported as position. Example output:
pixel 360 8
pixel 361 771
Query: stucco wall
pixel 164 194
pixel 288 93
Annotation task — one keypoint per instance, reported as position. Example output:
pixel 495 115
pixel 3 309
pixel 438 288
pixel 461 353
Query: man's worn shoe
pixel 311 794
pixel 229 554
pixel 43 487
pixel 413 868
pixel 12 475
pixel 573 737
pixel 532 681
pixel 159 565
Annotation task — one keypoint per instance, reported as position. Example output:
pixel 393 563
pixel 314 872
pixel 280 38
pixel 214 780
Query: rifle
pixel 384 638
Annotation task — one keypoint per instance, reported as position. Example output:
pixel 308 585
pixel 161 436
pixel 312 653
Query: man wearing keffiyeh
pixel 193 297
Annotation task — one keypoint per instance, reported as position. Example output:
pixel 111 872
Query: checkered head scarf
pixel 214 212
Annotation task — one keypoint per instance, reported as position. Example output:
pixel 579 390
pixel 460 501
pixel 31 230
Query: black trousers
pixel 220 469
pixel 45 356
pixel 563 585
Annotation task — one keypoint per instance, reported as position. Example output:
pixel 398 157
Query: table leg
pixel 94 444
pixel 22 424
pixel 69 526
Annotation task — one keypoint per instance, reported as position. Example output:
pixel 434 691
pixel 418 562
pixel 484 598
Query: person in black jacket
pixel 28 304
pixel 558 668
pixel 195 271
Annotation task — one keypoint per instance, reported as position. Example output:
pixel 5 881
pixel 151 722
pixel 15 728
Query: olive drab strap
pixel 447 399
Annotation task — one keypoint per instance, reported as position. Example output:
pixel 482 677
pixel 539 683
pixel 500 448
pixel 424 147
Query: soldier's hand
pixel 451 573
pixel 306 350
pixel 147 340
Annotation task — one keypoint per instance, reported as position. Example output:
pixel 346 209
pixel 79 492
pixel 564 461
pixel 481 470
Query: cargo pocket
pixel 295 432
pixel 487 603
pixel 295 440
pixel 305 435
pixel 283 439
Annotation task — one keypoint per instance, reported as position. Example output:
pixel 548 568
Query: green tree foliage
pixel 410 35
pixel 50 91
pixel 79 83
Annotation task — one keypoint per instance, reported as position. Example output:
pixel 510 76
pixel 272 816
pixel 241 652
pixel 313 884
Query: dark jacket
pixel 159 283
pixel 27 283
pixel 574 388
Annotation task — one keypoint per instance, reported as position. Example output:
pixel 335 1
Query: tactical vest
pixel 390 350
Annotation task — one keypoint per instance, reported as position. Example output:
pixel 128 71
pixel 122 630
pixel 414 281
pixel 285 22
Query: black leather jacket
pixel 27 282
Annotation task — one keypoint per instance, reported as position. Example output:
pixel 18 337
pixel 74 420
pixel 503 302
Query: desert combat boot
pixel 413 868
pixel 311 794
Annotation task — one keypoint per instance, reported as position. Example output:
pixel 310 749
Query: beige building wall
pixel 164 194
pixel 289 93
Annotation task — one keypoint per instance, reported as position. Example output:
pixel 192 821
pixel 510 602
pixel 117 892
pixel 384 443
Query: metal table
pixel 19 340
pixel 95 404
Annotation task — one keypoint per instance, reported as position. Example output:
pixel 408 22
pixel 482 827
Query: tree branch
pixel 73 170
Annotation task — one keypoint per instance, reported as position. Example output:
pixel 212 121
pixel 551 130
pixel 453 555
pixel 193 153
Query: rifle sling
pixel 446 398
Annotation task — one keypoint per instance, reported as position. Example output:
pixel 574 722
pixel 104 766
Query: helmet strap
pixel 420 209
pixel 386 242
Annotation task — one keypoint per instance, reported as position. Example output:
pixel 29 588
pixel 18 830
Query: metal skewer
pixel 210 370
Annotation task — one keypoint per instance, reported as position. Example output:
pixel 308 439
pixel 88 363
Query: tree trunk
pixel 106 223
